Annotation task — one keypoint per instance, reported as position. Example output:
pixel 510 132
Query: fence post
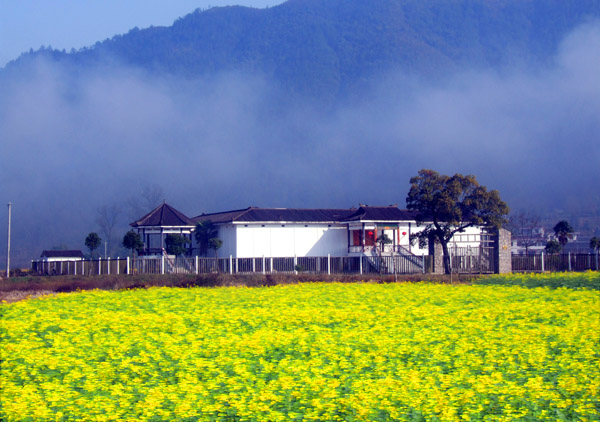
pixel 108 266
pixel 162 264
pixel 423 263
pixel 542 259
pixel 196 264
pixel 295 264
pixel 230 264
pixel 360 264
pixel 99 265
pixel 328 264
pixel 271 262
pixel 253 265
pixel 127 267
pixel 263 267
pixel 569 258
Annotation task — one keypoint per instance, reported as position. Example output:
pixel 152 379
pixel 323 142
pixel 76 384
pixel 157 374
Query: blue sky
pixel 67 24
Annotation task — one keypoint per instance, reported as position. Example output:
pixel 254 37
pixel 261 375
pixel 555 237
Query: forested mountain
pixel 327 46
pixel 312 103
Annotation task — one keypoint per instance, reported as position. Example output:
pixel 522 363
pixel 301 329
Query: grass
pixel 586 280
pixel 21 287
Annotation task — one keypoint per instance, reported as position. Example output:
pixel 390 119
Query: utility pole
pixel 8 249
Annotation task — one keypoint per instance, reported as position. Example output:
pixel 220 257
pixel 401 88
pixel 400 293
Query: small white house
pixel 67 255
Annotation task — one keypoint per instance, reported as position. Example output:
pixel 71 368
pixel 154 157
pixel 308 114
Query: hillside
pixel 310 104
pixel 326 47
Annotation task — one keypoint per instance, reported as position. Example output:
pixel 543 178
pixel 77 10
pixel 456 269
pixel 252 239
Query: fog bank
pixel 74 142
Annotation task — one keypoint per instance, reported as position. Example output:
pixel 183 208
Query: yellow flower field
pixel 306 352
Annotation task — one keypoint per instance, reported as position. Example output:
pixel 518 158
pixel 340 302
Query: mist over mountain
pixel 307 104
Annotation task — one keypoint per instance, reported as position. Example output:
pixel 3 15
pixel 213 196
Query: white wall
pixel 286 240
pixel 227 235
pixel 470 237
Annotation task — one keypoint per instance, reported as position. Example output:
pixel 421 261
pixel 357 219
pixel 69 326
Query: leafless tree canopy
pixel 525 228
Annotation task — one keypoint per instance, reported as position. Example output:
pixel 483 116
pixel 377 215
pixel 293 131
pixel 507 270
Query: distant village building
pixel 534 242
pixel 67 255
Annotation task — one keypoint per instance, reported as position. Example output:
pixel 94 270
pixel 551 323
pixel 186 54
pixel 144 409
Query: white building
pixel 286 232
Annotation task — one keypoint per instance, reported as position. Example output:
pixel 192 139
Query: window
pixel 370 238
pixel 356 238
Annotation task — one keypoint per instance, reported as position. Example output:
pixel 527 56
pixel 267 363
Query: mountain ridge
pixel 326 47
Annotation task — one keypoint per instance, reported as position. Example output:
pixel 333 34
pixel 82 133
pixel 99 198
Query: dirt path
pixel 16 295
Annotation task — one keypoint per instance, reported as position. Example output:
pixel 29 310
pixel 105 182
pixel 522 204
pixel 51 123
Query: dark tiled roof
pixel 253 214
pixel 389 213
pixel 163 215
pixel 221 217
pixel 62 254
pixel 300 215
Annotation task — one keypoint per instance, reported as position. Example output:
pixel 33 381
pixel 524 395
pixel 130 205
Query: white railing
pixel 396 264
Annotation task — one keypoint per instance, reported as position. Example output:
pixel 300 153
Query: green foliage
pixel 92 242
pixel 384 240
pixel 204 231
pixel 132 241
pixel 553 247
pixel 595 243
pixel 563 232
pixel 215 244
pixel 176 244
pixel 588 280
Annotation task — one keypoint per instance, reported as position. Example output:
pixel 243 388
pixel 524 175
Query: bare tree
pixel 525 229
pixel 149 198
pixel 107 217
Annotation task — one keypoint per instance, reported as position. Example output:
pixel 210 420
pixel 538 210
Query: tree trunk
pixel 446 256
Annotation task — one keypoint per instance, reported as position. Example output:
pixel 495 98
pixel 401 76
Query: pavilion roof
pixel 164 216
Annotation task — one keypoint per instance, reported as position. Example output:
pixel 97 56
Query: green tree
pixel 595 243
pixel 133 241
pixel 92 242
pixel 215 244
pixel 563 232
pixel 176 244
pixel 204 231
pixel 553 247
pixel 448 205
pixel 382 241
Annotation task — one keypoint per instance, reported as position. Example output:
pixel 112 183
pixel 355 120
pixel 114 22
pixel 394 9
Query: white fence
pixel 398 264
